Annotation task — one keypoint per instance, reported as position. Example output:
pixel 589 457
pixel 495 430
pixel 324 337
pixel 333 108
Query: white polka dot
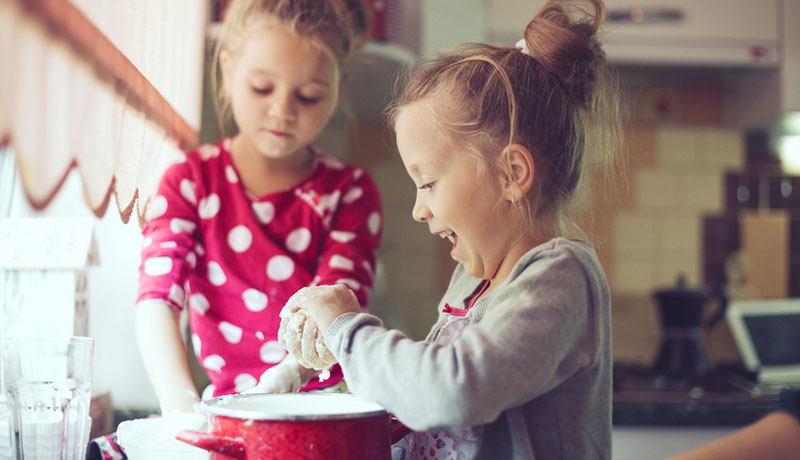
pixel 231 332
pixel 188 192
pixel 240 238
pixel 177 295
pixel 157 266
pixel 358 173
pixel 351 283
pixel 231 175
pixel 265 211
pixel 352 195
pixel 147 242
pixel 199 303
pixel 244 382
pixel 280 268
pixel 341 262
pixel 208 151
pixel 215 274
pixel 315 281
pixel 209 206
pixel 342 237
pixel 191 258
pixel 254 299
pixel 298 240
pixel 197 344
pixel 367 267
pixel 158 207
pixel 214 363
pixel 374 223
pixel 227 144
pixel 272 352
pixel 178 225
pixel 200 250
pixel 259 335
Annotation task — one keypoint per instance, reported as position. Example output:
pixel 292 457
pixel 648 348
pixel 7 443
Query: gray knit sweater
pixel 531 372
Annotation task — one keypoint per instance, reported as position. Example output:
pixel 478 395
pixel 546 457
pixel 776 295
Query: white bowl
pixel 142 440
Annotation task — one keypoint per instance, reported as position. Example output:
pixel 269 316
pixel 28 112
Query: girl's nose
pixel 283 107
pixel 420 212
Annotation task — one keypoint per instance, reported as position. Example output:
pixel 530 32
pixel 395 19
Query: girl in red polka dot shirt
pixel 239 226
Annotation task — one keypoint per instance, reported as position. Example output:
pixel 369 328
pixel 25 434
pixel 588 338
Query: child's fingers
pixel 310 331
pixel 288 310
pixel 322 350
pixel 293 335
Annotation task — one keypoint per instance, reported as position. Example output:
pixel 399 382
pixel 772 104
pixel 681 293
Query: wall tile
pixel 676 145
pixel 633 275
pixel 722 148
pixel 679 232
pixel 640 145
pixel 636 330
pixel 656 188
pixel 701 191
pixel 634 234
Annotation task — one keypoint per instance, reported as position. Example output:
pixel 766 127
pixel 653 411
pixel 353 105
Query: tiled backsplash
pixel 659 236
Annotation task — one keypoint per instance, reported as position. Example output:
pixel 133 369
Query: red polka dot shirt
pixel 235 259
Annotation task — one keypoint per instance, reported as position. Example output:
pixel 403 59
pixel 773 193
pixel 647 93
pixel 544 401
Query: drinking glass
pixel 48 384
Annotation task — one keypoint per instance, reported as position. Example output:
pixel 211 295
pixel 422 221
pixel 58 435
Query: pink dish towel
pixel 105 448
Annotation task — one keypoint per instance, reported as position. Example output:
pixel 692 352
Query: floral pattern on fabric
pixel 425 445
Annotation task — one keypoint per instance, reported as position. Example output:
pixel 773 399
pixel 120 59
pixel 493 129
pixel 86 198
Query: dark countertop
pixel 643 408
pixel 722 397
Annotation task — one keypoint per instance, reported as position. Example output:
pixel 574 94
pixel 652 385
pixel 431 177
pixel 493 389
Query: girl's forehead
pixel 277 50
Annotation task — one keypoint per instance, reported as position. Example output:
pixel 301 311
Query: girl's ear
pixel 521 172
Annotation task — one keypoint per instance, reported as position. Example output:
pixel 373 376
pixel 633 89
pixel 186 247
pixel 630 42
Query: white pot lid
pixel 292 406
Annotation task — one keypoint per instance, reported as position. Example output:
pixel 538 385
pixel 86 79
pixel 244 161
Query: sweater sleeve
pixel 168 250
pixel 348 253
pixel 536 333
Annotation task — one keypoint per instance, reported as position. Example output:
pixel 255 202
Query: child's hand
pixel 284 377
pixel 300 332
pixel 323 304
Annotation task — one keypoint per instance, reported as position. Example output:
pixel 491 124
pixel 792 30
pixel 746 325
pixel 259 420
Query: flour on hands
pixel 300 335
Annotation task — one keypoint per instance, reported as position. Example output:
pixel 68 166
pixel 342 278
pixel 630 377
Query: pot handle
pixel 398 430
pixel 718 293
pixel 231 447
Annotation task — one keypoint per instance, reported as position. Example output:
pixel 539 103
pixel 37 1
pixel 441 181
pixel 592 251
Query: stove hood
pixel 707 33
pixel 722 33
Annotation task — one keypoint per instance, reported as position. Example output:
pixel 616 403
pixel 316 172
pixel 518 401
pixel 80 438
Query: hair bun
pixel 562 37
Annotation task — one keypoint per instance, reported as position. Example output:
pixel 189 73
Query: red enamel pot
pixel 295 426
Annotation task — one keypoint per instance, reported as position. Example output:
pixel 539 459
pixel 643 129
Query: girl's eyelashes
pixel 306 100
pixel 428 186
pixel 261 90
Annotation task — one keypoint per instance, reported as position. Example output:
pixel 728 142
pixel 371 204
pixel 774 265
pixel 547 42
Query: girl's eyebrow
pixel 266 73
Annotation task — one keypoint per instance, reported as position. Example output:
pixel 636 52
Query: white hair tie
pixel 523 47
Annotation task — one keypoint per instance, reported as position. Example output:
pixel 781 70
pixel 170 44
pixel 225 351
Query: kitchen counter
pixel 655 408
pixel 723 397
